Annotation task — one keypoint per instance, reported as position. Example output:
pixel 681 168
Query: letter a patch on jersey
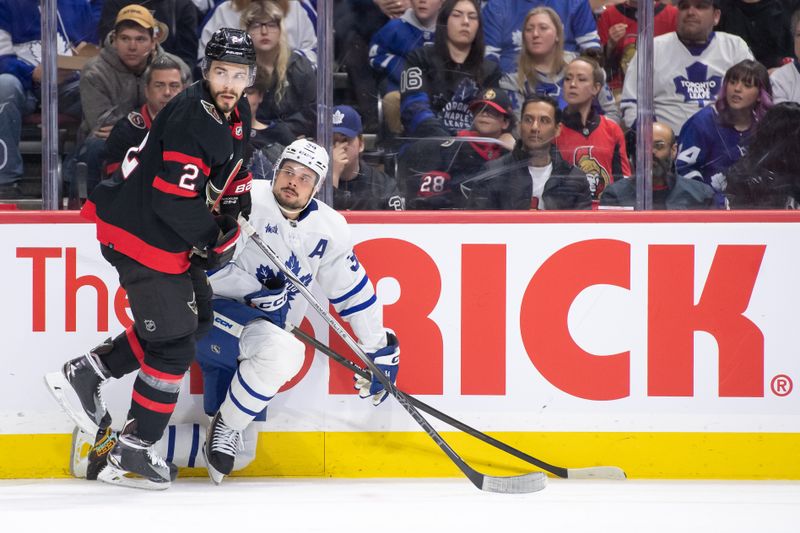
pixel 211 110
pixel 319 249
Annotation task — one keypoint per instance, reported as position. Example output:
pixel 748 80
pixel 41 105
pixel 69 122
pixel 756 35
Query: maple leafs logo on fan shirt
pixel 264 273
pixel 697 86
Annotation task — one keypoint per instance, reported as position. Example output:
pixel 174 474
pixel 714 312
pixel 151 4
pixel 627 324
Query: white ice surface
pixel 400 505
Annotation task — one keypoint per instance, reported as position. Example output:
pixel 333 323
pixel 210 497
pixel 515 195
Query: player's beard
pixel 225 105
pixel 288 201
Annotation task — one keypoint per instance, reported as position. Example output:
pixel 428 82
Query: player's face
pixel 134 46
pixel 540 35
pixel 294 185
pixel 164 84
pixel 579 84
pixel 462 24
pixel 538 127
pixel 489 122
pixel 696 20
pixel 226 83
pixel 266 34
pixel 426 10
pixel 741 94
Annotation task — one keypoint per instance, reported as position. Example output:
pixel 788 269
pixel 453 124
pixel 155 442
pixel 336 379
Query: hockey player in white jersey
pixel 248 355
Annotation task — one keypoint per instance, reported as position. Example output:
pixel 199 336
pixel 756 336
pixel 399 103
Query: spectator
pixel 357 185
pixel 263 149
pixel 618 27
pixel 180 17
pixel 112 83
pixel 764 26
pixel 390 46
pixel 21 73
pixel 440 81
pixel 533 175
pixel 622 193
pixel 505 22
pixel 767 177
pixel 588 140
pixel 543 61
pixel 288 79
pixel 299 31
pixel 688 65
pixel 163 79
pixel 433 170
pixel 786 80
pixel 716 137
pixel 355 22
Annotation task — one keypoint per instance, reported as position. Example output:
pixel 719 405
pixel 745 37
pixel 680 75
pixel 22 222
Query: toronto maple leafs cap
pixel 346 121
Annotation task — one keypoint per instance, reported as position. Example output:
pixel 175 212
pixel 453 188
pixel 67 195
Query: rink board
pixel 661 343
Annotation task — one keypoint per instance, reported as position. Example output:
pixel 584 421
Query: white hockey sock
pixel 247 396
pixel 182 444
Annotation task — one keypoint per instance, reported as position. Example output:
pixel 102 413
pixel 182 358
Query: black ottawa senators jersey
pixel 129 131
pixel 154 209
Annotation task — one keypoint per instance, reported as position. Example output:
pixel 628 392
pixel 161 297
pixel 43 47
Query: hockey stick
pixel 530 482
pixel 592 472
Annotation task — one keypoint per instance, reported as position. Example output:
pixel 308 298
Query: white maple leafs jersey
pixel 318 249
pixel 684 80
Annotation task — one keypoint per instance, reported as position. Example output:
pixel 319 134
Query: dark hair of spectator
pixel 131 25
pixel 750 72
pixel 474 61
pixel 536 98
pixel 164 63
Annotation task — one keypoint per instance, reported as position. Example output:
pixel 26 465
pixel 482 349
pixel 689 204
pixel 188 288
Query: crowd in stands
pixel 446 104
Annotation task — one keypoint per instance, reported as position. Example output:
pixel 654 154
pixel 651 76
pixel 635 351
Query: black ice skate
pixel 89 452
pixel 221 446
pixel 80 379
pixel 133 462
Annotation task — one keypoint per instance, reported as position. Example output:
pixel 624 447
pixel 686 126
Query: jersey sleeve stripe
pixel 111 167
pixel 355 290
pixel 356 308
pixel 170 188
pixel 180 157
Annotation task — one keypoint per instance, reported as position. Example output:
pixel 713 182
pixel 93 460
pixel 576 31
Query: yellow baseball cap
pixel 142 16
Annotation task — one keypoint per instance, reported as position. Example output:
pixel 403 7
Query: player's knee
pixel 173 356
pixel 281 358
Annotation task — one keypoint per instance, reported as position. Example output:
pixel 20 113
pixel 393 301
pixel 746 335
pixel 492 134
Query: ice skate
pixel 89 453
pixel 78 384
pixel 133 462
pixel 221 446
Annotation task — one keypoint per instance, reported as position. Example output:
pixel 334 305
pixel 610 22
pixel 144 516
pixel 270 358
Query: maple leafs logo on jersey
pixel 265 273
pixel 697 86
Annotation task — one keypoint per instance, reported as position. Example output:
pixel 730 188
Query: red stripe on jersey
pixel 180 157
pixel 150 256
pixel 89 211
pixel 158 407
pixel 170 188
pixel 133 341
pixel 111 167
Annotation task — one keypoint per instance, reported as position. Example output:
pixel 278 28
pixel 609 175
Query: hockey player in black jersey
pixel 168 215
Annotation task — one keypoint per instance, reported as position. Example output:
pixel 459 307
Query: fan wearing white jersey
pixel 253 301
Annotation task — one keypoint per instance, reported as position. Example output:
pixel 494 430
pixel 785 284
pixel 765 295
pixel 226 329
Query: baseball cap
pixel 346 121
pixel 142 16
pixel 496 98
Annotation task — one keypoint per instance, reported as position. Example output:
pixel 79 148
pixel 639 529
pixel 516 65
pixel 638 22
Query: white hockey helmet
pixel 309 154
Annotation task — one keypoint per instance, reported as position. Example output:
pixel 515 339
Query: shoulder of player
pixel 194 104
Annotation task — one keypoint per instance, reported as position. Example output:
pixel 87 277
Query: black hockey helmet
pixel 232 46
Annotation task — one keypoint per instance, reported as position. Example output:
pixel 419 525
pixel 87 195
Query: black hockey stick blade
pixel 531 482
pixel 592 472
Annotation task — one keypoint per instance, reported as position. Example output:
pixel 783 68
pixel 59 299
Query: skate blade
pixel 116 476
pixel 215 475
pixel 58 386
pixel 81 446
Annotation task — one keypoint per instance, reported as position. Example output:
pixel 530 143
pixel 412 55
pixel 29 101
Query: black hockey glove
pixel 236 199
pixel 220 252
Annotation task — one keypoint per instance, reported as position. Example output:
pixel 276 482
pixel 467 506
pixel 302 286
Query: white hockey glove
pixel 387 360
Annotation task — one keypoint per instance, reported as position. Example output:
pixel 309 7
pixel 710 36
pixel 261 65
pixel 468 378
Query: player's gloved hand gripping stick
pixel 531 482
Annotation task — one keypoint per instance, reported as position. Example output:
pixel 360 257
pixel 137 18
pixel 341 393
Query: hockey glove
pixel 217 255
pixel 272 300
pixel 387 360
pixel 236 198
